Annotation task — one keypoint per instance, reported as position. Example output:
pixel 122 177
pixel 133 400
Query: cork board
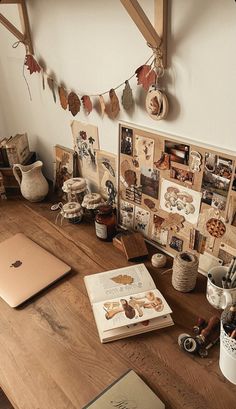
pixel 179 194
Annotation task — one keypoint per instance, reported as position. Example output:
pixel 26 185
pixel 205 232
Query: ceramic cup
pixel 217 296
pixel 227 360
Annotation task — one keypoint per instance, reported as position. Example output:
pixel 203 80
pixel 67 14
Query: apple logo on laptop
pixel 16 264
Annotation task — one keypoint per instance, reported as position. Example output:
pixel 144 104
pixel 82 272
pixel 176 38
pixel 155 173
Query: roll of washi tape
pixel 158 260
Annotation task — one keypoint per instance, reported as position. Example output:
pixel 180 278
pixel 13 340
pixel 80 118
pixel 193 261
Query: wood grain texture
pixel 51 356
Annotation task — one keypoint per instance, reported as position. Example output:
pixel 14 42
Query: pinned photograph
pixel 107 175
pixel 195 161
pixel 178 152
pixel 141 220
pixel 177 199
pixel 164 162
pixel 182 175
pixel 218 201
pixel 216 177
pixel 126 141
pixel 158 234
pixel 63 166
pixel 126 214
pixel 149 181
pixel 143 152
pixel 176 244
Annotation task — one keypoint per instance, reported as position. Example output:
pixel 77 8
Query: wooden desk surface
pixel 50 353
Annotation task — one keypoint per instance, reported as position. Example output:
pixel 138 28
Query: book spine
pixel 5 157
pixel 12 155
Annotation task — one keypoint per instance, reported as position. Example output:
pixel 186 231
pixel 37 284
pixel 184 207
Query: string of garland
pixel 147 75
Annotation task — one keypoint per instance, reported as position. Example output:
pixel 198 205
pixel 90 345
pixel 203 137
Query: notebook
pixel 26 268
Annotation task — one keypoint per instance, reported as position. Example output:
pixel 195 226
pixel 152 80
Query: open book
pixel 127 392
pixel 126 302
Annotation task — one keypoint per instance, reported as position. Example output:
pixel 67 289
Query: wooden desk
pixel 50 353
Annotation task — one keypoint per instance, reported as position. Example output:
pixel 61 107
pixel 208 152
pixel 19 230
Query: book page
pixel 118 283
pixel 128 310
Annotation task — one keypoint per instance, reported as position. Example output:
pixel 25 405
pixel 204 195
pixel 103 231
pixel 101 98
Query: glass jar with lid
pixel 105 223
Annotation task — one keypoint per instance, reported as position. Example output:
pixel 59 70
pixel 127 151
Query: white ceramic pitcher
pixel 33 185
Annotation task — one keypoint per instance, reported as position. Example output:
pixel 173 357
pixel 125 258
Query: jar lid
pixel 92 201
pixel 75 185
pixel 71 209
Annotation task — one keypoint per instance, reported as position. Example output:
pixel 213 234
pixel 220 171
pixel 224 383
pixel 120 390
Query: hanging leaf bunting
pixel 127 97
pixel 31 64
pixel 74 103
pixel 102 105
pixel 146 76
pixel 87 103
pixel 63 97
pixel 114 104
pixel 52 88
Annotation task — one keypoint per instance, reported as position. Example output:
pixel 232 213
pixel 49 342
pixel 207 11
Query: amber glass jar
pixel 105 223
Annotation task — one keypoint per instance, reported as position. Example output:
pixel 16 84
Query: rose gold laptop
pixel 26 268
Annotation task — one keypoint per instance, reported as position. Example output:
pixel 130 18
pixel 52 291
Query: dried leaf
pixel 74 103
pixel 32 64
pixel 146 76
pixel 43 80
pixel 63 97
pixel 51 86
pixel 102 105
pixel 127 97
pixel 114 106
pixel 87 103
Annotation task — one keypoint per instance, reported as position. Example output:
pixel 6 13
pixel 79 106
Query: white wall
pixel 93 45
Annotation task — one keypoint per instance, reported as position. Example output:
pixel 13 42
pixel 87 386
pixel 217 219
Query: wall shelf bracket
pixel 25 35
pixel 155 35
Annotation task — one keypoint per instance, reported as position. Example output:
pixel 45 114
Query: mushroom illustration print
pixel 184 201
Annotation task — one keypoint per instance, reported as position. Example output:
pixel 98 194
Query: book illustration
pixel 143 152
pixel 133 306
pixel 184 201
pixel 123 279
pixel 141 220
pixel 131 309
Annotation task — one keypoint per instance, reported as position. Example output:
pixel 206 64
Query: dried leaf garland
pixel 31 64
pixel 127 97
pixel 74 103
pixel 52 88
pixel 102 105
pixel 146 76
pixel 87 103
pixel 114 106
pixel 63 97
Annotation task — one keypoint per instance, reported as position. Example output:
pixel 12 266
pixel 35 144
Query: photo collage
pixel 166 185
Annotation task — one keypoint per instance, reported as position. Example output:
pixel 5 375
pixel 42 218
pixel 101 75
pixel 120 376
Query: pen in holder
pixel 227 360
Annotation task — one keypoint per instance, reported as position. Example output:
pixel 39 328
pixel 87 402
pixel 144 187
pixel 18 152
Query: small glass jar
pixel 105 223
pixel 72 211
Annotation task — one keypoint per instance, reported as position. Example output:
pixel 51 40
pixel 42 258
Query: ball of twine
pixel 185 269
pixel 158 260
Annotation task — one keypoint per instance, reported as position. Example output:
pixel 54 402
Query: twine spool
pixel 185 269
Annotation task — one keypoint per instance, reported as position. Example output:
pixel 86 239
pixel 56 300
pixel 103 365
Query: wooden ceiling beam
pixel 25 35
